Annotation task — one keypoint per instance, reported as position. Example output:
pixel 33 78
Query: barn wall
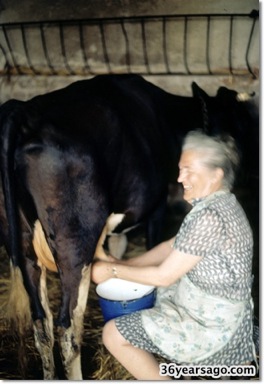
pixel 26 10
pixel 26 86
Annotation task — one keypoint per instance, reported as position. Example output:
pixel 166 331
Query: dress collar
pixel 198 200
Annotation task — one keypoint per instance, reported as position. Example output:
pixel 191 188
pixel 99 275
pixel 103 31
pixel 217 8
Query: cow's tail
pixel 18 316
pixel 18 308
pixel 18 312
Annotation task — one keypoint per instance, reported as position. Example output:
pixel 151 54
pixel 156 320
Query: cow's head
pixel 237 114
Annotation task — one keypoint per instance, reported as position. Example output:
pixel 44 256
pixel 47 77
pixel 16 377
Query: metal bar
pixel 44 45
pixel 7 65
pixel 107 61
pixel 144 43
pixel 164 34
pixel 230 45
pixel 63 50
pixel 86 65
pixel 26 50
pixel 127 46
pixel 101 22
pixel 129 18
pixel 185 46
pixel 208 45
pixel 254 15
pixel 11 51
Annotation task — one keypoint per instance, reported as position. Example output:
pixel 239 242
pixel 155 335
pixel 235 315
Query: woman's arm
pixel 154 256
pixel 171 269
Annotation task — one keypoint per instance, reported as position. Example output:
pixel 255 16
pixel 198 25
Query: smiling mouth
pixel 187 187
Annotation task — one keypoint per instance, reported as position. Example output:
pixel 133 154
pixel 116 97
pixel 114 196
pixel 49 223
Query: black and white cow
pixel 80 162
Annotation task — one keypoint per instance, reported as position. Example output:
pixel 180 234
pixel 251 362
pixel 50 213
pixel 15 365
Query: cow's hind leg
pixel 70 337
pixel 43 331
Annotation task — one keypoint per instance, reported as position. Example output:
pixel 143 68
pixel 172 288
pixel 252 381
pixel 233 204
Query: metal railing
pixel 216 44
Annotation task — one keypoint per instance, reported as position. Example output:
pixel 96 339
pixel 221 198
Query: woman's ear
pixel 219 174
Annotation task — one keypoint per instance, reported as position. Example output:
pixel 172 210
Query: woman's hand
pixel 101 271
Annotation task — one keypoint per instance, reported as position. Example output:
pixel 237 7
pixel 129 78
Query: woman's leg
pixel 141 364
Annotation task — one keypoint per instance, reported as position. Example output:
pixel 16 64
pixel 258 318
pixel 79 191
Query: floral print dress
pixel 206 317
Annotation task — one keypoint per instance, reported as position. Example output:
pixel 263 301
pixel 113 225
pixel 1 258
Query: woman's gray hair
pixel 215 152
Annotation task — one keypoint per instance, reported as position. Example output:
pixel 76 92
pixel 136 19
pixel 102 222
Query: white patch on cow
pixel 113 220
pixel 71 338
pixel 43 331
pixel 42 248
pixel 243 96
pixel 111 223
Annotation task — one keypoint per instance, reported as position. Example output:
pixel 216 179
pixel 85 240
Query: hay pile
pixel 9 368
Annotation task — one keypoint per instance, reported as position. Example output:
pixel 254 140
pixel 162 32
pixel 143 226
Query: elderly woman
pixel 203 310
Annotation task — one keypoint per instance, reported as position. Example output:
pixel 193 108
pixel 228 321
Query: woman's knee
pixel 111 336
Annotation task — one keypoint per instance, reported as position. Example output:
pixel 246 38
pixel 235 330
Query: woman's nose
pixel 180 177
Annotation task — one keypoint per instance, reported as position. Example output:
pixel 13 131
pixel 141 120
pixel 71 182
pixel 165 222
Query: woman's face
pixel 197 179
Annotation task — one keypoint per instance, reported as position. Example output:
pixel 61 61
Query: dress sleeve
pixel 200 234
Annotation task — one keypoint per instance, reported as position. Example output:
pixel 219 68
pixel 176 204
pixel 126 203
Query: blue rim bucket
pixel 115 308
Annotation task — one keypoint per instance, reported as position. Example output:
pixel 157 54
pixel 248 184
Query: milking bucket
pixel 119 297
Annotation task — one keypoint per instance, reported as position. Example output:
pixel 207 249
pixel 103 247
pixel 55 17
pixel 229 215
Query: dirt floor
pixel 96 362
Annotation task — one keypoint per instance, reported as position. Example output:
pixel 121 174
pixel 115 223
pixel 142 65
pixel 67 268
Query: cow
pixel 91 159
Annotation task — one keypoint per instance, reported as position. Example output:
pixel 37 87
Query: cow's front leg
pixel 70 330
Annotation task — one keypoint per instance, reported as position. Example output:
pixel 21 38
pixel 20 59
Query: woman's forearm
pixel 145 275
pixel 175 265
pixel 154 256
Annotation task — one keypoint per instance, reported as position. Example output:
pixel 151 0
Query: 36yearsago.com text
pixel 174 370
